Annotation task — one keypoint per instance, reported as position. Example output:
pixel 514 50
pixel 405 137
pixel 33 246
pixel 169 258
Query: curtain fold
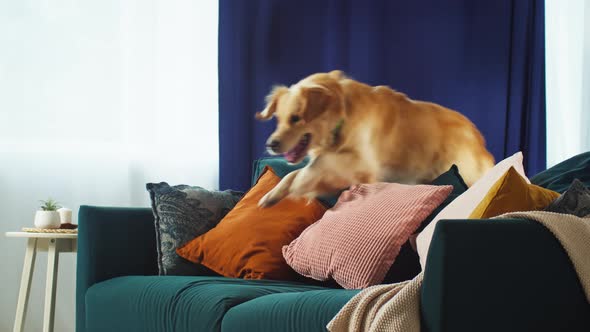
pixel 526 119
pixel 484 59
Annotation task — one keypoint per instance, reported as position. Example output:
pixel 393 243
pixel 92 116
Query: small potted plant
pixel 47 216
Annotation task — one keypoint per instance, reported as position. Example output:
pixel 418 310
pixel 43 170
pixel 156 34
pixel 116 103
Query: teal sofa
pixel 501 275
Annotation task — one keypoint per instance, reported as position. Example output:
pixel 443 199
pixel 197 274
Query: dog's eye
pixel 294 118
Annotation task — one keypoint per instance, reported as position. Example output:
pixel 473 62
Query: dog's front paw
pixel 267 201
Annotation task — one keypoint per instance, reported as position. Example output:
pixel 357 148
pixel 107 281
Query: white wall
pixel 567 32
pixel 96 99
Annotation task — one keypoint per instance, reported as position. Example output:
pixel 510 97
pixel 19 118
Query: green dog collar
pixel 337 129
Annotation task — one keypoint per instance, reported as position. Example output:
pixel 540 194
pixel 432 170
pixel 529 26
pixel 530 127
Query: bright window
pixel 567 32
pixel 98 97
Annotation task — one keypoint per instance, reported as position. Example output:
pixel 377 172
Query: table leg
pixel 25 284
pixel 52 263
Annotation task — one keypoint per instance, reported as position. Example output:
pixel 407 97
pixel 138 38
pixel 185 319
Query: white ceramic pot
pixel 65 215
pixel 47 219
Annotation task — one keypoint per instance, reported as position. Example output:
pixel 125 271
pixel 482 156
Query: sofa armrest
pixel 500 275
pixel 112 242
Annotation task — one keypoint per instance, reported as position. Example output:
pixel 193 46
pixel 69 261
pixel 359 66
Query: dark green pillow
pixel 450 177
pixel 407 263
pixel 559 177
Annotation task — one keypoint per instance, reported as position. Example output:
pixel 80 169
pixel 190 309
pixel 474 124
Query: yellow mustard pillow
pixel 511 193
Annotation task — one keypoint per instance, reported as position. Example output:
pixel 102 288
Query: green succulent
pixel 49 205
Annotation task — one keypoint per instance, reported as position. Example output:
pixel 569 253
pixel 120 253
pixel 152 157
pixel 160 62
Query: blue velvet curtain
pixel 484 59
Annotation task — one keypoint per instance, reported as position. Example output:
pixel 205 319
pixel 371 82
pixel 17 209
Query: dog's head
pixel 306 114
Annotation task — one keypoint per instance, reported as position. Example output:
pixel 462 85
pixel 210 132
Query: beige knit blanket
pixel 396 307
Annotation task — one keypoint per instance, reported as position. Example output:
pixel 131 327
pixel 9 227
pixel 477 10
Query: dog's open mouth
pixel 297 153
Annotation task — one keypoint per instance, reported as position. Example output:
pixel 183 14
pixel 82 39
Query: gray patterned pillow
pixel 182 213
pixel 575 200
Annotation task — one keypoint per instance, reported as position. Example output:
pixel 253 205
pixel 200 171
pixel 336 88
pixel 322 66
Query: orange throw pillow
pixel 248 242
pixel 511 193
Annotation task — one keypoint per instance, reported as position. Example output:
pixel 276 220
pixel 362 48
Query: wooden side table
pixel 53 244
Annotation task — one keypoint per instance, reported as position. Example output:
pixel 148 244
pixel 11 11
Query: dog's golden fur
pixel 362 134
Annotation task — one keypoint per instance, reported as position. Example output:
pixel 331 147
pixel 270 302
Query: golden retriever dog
pixel 355 133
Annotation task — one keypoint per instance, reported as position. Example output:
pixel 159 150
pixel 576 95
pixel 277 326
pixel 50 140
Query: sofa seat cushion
pixel 173 303
pixel 298 311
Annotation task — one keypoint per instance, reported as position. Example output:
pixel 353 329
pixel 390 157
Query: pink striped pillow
pixel 356 241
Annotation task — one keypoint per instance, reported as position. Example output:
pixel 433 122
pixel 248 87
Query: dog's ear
pixel 337 74
pixel 317 99
pixel 271 102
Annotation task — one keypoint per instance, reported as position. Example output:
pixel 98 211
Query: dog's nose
pixel 273 145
